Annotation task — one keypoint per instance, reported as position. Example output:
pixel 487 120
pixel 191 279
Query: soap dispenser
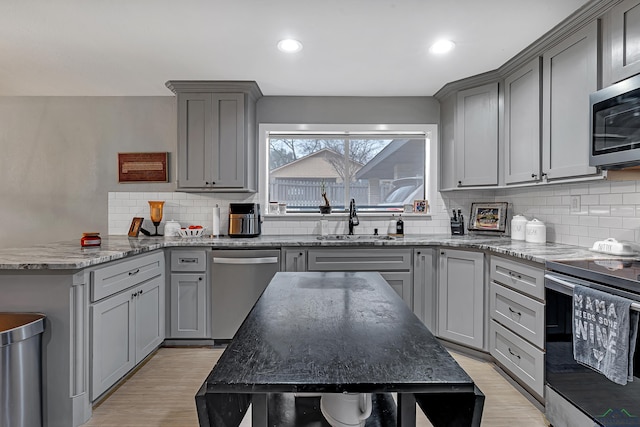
pixel 400 226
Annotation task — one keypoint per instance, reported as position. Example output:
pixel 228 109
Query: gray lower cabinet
pixel 476 136
pixel 295 259
pixel 188 305
pixel 125 329
pixel 461 297
pixel 570 74
pixel 393 264
pixel 522 147
pixel 517 327
pixel 126 324
pixel 189 301
pixel 216 135
pixel 624 24
pixel 425 285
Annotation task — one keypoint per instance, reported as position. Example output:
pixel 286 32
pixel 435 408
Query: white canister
pixel 536 231
pixel 518 227
pixel 172 229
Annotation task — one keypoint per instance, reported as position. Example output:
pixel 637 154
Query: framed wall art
pixel 143 167
pixel 488 217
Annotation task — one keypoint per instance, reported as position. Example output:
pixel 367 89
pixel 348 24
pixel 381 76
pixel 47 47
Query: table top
pixel 334 332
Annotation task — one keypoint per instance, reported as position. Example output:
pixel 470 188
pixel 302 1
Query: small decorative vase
pixel 325 209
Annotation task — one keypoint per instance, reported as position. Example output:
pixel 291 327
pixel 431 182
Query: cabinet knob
pixel 133 296
pixel 200 278
pixel 443 253
pixel 544 174
pixel 533 175
pixel 459 183
pixel 418 252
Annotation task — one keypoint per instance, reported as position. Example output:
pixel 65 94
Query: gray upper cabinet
pixel 476 136
pixel 217 148
pixel 522 92
pixel 625 40
pixel 570 74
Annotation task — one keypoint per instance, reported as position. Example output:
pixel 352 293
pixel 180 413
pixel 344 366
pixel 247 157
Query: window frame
pixel 428 131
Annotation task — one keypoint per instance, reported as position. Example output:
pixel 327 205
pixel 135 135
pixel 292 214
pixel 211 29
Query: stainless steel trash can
pixel 21 369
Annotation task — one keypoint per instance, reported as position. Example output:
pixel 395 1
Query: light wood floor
pixel 162 393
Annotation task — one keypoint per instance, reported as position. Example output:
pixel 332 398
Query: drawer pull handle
pixel 513 354
pixel 136 271
pixel 188 260
pixel 515 312
pixel 140 292
pixel 133 295
pixel 512 274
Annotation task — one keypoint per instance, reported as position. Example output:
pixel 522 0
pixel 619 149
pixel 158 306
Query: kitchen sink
pixel 355 237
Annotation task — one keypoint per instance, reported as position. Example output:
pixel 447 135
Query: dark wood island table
pixel 335 332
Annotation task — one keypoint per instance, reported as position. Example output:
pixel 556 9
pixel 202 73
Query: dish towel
pixel 604 333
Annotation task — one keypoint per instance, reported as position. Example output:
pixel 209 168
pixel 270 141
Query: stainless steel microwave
pixel 615 125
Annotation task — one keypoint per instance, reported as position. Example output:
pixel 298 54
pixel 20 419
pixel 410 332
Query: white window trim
pixel 429 131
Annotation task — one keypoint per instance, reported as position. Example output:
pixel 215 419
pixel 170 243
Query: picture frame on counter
pixel 136 225
pixel 488 217
pixel 420 206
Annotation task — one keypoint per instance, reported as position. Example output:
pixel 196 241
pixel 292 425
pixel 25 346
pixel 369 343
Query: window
pixel 382 171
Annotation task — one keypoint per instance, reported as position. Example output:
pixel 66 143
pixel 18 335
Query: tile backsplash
pixel 577 214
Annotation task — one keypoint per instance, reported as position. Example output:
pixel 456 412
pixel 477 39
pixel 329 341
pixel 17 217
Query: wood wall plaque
pixel 143 167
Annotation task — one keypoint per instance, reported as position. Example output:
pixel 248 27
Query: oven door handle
pixel 564 286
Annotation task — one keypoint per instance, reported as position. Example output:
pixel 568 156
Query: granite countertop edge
pixel 68 255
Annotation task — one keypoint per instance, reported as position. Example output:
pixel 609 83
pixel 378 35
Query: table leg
pixel 406 410
pixel 259 410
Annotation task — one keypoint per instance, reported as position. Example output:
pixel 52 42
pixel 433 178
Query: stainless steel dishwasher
pixel 238 278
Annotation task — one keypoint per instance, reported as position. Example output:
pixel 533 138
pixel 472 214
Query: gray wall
pixel 59 160
pixel 59 154
pixel 352 110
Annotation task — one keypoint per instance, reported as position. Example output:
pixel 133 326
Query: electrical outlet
pixel 575 204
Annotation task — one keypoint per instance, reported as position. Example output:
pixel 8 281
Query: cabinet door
pixel 461 297
pixel 625 40
pixel 522 124
pixel 228 142
pixel 112 340
pixel 195 140
pixel 295 260
pixel 570 74
pixel 402 283
pixel 149 317
pixel 476 142
pixel 424 286
pixel 188 306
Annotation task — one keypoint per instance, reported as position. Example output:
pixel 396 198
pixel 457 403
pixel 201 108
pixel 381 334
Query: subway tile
pixel 631 223
pixel 623 210
pixel 600 210
pixel 623 187
pixel 599 232
pixel 579 189
pixel 589 221
pixel 611 199
pixel 589 199
pixel 579 230
pixel 631 199
pixel 600 188
pixel 570 219
pixel 610 222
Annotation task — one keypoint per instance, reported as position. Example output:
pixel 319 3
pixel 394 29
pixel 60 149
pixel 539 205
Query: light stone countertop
pixel 68 255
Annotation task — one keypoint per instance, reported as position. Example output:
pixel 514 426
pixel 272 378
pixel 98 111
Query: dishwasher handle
pixel 245 261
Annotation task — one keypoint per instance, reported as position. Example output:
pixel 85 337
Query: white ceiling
pixel 351 47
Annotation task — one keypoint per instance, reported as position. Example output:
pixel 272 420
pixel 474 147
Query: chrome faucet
pixel 353 216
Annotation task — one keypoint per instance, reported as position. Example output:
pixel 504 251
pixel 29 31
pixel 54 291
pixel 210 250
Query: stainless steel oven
pixel 575 395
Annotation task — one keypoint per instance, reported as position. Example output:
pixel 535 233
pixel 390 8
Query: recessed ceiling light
pixel 289 45
pixel 442 46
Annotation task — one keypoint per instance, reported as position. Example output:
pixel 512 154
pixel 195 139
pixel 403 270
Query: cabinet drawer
pixel 519 276
pixel 121 275
pixel 521 314
pixel 359 260
pixel 188 261
pixel 524 361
